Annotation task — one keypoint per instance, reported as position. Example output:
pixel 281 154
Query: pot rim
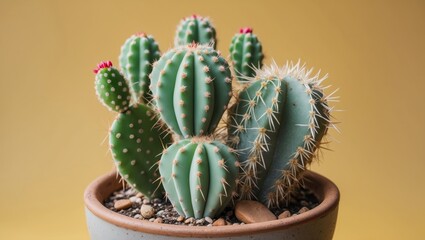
pixel 324 189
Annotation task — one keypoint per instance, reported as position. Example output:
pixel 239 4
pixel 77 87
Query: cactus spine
pixel 138 54
pixel 277 125
pixel 135 140
pixel 199 176
pixel 195 29
pixel 246 54
pixel 191 86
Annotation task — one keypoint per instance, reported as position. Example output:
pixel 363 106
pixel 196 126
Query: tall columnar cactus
pixel 246 54
pixel 138 54
pixel 191 86
pixel 199 176
pixel 136 141
pixel 277 125
pixel 195 29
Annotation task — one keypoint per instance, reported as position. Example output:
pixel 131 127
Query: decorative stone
pixel 189 220
pixel 285 214
pixel 180 219
pixel 158 220
pixel 122 204
pixel 219 222
pixel 208 219
pixel 248 211
pixel 303 210
pixel 147 211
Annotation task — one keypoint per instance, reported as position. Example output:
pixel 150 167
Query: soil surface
pixel 163 211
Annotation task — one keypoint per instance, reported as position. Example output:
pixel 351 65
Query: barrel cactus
pixel 195 29
pixel 199 176
pixel 246 53
pixel 136 141
pixel 191 87
pixel 277 125
pixel 138 54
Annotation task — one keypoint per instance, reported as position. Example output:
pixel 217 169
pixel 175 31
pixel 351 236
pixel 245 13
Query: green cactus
pixel 111 87
pixel 195 29
pixel 191 87
pixel 136 140
pixel 276 126
pixel 246 54
pixel 199 176
pixel 136 145
pixel 138 54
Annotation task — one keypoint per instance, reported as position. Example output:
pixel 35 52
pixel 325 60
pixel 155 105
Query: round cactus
pixel 246 54
pixel 199 176
pixel 195 29
pixel 191 86
pixel 111 87
pixel 138 54
pixel 136 144
pixel 276 126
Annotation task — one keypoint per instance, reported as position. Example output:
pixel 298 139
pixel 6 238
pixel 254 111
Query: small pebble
pixel 158 220
pixel 189 220
pixel 285 214
pixel 303 210
pixel 139 195
pixel 304 203
pixel 147 211
pixel 157 200
pixel 145 201
pixel 135 199
pixel 200 221
pixel 122 204
pixel 219 222
pixel 180 219
pixel 160 212
pixel 151 219
pixel 138 216
pixel 208 219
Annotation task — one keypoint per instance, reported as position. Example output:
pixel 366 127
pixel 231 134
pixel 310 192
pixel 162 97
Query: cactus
pixel 138 54
pixel 195 29
pixel 246 54
pixel 111 87
pixel 191 87
pixel 199 176
pixel 277 125
pixel 135 140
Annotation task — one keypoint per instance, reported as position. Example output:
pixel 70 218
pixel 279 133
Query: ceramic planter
pixel 318 223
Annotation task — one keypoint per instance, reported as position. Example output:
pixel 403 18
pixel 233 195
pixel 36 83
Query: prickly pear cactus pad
pixel 277 126
pixel 111 87
pixel 136 144
pixel 246 54
pixel 195 29
pixel 138 54
pixel 191 88
pixel 199 176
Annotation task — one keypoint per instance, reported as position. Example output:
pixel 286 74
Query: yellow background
pixel 52 126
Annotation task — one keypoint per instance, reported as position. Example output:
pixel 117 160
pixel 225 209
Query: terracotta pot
pixel 318 223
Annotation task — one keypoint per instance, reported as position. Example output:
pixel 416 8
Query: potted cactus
pixel 190 135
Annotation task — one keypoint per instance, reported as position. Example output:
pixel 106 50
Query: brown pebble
pixel 228 223
pixel 139 195
pixel 145 201
pixel 285 214
pixel 122 204
pixel 219 222
pixel 248 211
pixel 147 211
pixel 158 220
pixel 303 210
pixel 180 219
pixel 189 220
